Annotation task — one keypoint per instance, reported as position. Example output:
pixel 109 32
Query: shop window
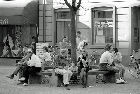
pixel 13 38
pixel 63 15
pixel 102 24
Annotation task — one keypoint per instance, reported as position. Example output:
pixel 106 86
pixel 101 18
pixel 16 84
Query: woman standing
pixel 7 51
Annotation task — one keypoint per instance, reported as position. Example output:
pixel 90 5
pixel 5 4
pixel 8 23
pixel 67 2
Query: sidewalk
pixel 8 86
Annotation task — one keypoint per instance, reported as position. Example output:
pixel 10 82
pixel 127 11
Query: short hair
pixel 107 47
pixel 45 48
pixel 79 32
pixel 64 37
pixel 33 37
pixel 115 49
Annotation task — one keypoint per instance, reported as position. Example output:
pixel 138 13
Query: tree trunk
pixel 73 37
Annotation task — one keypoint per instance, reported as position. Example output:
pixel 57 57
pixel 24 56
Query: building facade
pixel 18 23
pixel 101 21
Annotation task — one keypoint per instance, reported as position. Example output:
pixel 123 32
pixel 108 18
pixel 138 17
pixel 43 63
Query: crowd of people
pixel 110 60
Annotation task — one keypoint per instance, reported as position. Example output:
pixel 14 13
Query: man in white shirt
pixel 78 38
pixel 34 66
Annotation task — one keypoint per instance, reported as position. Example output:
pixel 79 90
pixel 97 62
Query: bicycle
pixel 134 68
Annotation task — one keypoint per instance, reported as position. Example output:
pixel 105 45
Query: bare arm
pixel 26 57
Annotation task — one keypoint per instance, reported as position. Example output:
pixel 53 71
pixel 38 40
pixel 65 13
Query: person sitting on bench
pixel 21 64
pixel 83 67
pixel 106 60
pixel 63 69
pixel 34 66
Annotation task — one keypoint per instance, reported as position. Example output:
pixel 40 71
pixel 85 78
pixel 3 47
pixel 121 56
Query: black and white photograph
pixel 69 47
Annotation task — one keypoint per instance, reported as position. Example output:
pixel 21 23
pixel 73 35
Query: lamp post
pixel 44 20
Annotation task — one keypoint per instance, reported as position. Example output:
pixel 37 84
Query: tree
pixel 73 10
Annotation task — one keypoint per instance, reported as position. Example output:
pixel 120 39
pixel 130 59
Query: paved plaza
pixel 8 86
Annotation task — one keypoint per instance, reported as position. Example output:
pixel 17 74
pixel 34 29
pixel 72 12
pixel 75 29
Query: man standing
pixel 78 38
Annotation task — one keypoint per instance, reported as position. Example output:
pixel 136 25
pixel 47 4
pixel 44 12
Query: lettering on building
pixel 3 21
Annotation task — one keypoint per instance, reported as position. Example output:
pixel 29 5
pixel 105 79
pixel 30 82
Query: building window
pixel 102 24
pixel 63 20
pixel 14 37
pixel 63 15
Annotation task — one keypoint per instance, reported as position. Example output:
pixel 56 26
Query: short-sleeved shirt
pixel 106 57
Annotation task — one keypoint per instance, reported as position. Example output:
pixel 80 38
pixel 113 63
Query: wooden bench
pixel 103 76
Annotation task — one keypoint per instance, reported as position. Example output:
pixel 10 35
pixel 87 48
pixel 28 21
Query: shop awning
pixel 19 13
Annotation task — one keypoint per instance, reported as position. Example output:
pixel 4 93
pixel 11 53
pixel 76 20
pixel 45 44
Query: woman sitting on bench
pixel 106 60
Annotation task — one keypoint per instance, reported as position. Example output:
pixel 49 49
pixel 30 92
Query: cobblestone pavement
pixel 8 86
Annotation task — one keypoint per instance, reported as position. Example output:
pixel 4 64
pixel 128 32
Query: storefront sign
pixel 39 48
pixel 3 21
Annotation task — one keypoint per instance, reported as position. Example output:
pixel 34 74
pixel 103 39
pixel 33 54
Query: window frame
pixel 93 44
pixel 59 20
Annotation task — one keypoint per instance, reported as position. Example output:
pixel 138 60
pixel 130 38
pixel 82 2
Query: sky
pixel 14 3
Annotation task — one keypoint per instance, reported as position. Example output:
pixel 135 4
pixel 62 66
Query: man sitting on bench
pixel 63 69
pixel 21 64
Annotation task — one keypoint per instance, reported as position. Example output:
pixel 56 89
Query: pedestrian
pixel 33 44
pixel 7 51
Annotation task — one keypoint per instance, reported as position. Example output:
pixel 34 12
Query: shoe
pixel 66 86
pixel 84 86
pixel 123 81
pixel 20 83
pixel 118 81
pixel 21 79
pixel 25 84
pixel 10 76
